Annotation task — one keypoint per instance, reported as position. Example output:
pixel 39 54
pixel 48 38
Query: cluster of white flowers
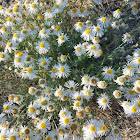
pixel 70 69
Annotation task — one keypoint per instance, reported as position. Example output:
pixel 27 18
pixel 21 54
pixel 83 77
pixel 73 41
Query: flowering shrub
pixel 75 55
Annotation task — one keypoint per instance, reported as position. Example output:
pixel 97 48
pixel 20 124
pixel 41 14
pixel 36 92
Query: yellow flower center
pixel 1 7
pixel 61 37
pixel 57 28
pixel 80 24
pixel 15 35
pixel 118 11
pixel 50 107
pixel 48 138
pixel 131 91
pixel 121 79
pixel 87 110
pixel 81 9
pixel 27 131
pixel 116 131
pixel 78 49
pixel 63 114
pixel 31 90
pixel 9 10
pixel 48 19
pixel 40 16
pixel 6 107
pixel 77 104
pixel 87 31
pixel 3 137
pixel 93 47
pixel 54 70
pixel 43 31
pixel 43 125
pixel 87 92
pixel 63 57
pixel 109 71
pixel 117 94
pixel 44 102
pixel 9 44
pixel 17 60
pixel 100 52
pixel 72 88
pixel 92 128
pixel 56 6
pixel 32 28
pixel 32 109
pixel 11 98
pixel 13 138
pixel 134 109
pixel 0 38
pixel 94 81
pixel 97 28
pixel 43 63
pixel 33 6
pixel 59 92
pixel 103 19
pixel 66 120
pixel 30 70
pixel 138 103
pixel 102 84
pixel 62 69
pixel 48 91
pixel 128 36
pixel 42 45
pixel 139 61
pixel 15 9
pixel 17 98
pixel 4 124
pixel 61 132
pixel 104 101
pixel 73 10
pixel 129 67
pixel 96 39
pixel 86 79
pixel 78 98
pixel 24 31
pixel 135 10
pixel 117 23
pixel 1 55
pixel 103 128
pixel 19 53
pixel 3 29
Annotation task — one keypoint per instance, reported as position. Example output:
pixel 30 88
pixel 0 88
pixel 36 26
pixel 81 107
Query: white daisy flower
pixel 62 38
pixel 134 11
pixel 44 125
pixel 59 92
pixel 98 31
pixel 51 107
pixel 33 30
pixel 17 37
pixel 136 62
pixel 43 34
pixel 63 58
pixel 103 21
pixel 63 3
pixel 85 80
pixel 79 50
pixel 50 135
pixel 92 48
pixel 33 8
pixel 43 47
pixel 102 128
pixel 64 112
pixel 3 56
pixel 7 107
pixel 11 45
pixel 77 105
pixel 87 34
pixel 117 94
pixel 95 40
pixel 93 81
pixel 63 71
pixel 42 82
pixel 120 80
pixel 77 96
pixel 127 38
pixel 79 26
pixel 31 73
pixel 44 103
pixel 87 93
pixel 117 13
pixel 108 73
pixel 32 90
pixel 72 86
pixel 103 101
pixel 2 10
pixel 73 12
pixel 57 8
pixel 102 84
pixel 115 131
pixel 66 121
pixel 44 62
pixel 136 52
pixel 48 91
pixel 128 70
pixel 115 24
pixel 18 99
pixel 132 111
pixel 9 12
pixel 82 12
pixel 54 71
pixel 48 20
pixel 3 135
